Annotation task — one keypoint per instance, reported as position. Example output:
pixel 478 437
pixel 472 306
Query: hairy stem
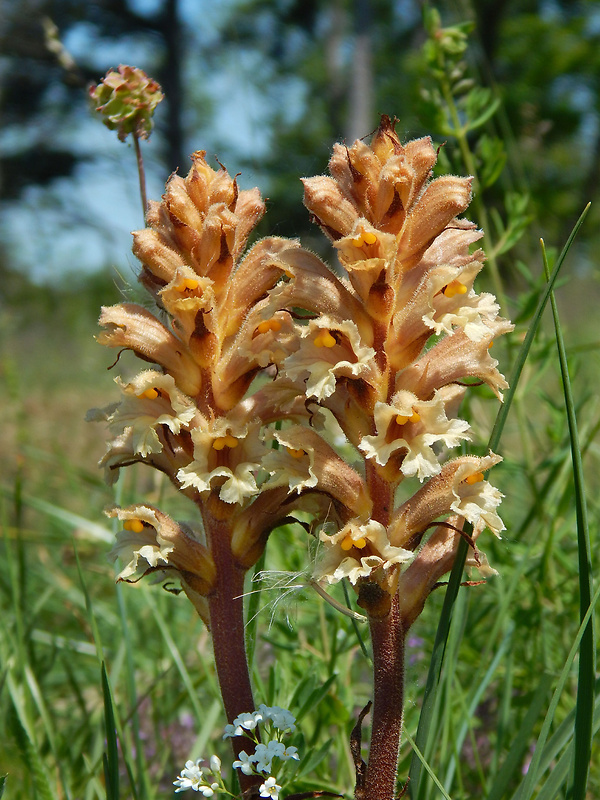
pixel 388 637
pixel 226 609
pixel 141 173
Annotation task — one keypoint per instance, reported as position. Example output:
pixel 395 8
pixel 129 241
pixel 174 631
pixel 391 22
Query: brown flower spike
pixel 362 370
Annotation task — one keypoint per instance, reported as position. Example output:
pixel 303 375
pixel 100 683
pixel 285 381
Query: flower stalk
pixel 388 637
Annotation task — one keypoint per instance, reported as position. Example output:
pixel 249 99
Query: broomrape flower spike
pixel 126 99
pixel 345 357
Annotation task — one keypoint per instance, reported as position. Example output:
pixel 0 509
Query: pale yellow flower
pixel 413 425
pixel 330 350
pixel 356 551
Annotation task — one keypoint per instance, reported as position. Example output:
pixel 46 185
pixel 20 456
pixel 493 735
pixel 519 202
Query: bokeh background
pixel 266 86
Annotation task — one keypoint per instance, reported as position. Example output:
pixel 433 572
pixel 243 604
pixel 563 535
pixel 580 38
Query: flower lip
pixel 413 425
pixel 356 551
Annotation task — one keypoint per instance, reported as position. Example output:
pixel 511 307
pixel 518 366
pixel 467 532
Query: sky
pixel 83 223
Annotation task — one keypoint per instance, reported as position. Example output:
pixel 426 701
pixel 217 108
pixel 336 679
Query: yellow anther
pixel 402 419
pixel 134 525
pixel 490 345
pixel 348 543
pixel 364 237
pixel 325 339
pixel 296 453
pixel 476 477
pixel 268 325
pixel 149 394
pixel 224 441
pixel 454 287
pixel 186 283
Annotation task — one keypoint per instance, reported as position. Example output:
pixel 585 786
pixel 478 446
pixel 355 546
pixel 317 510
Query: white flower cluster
pixel 280 718
pixel 275 722
pixel 195 777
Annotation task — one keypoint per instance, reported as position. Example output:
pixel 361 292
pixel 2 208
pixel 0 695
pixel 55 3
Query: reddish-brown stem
pixel 388 637
pixel 380 492
pixel 141 173
pixel 227 629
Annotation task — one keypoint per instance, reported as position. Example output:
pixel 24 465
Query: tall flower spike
pixel 186 416
pixel 392 334
pixel 364 364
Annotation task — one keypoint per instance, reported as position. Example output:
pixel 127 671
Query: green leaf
pixel 111 756
pixel 515 756
pixel 587 655
pixel 492 157
pixel 315 697
pixel 315 757
pixel 481 106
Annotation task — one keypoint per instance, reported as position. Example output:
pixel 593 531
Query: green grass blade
pixel 254 600
pixel 92 530
pixel 427 767
pixel 89 609
pixel 587 655
pixel 134 720
pixel 514 759
pixel 357 632
pixel 476 696
pixel 24 734
pixel 49 727
pixel 433 676
pixel 177 657
pixel 529 337
pixel 315 697
pixel 551 789
pixel 527 787
pixel 435 667
pixel 560 767
pixel 111 756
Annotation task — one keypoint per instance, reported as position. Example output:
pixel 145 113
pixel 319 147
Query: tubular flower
pixel 361 372
pixel 152 542
pixel 368 356
pixel 220 327
pixel 360 551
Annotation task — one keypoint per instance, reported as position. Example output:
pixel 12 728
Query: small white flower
pixel 263 757
pixel 270 788
pixel 275 748
pixel 281 718
pixel 207 791
pixel 191 777
pixel 244 764
pixel 248 720
pixel 232 730
pixel 290 752
pixel 215 764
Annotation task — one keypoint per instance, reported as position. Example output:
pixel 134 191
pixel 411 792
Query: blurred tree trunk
pixel 361 90
pixel 172 84
pixel 335 68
